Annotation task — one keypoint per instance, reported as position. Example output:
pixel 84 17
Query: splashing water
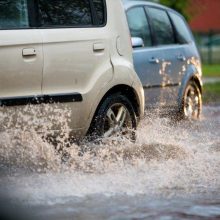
pixel 168 160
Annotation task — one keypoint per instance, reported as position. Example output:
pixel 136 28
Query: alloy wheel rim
pixel 192 103
pixel 117 120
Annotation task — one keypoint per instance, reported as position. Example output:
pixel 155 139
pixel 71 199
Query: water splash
pixel 167 158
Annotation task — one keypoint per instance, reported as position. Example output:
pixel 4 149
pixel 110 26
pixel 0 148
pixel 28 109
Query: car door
pixel 76 50
pixel 185 45
pixel 21 56
pixel 158 63
pixel 171 56
pixel 146 58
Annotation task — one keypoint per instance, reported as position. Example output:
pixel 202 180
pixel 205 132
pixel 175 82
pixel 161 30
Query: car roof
pixel 131 3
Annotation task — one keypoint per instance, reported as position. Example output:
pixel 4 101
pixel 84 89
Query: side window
pixel 100 11
pixel 183 35
pixel 65 13
pixel 138 24
pixel 161 26
pixel 13 14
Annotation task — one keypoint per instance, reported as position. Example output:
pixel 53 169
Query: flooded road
pixel 171 172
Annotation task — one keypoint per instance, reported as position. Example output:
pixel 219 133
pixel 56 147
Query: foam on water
pixel 167 159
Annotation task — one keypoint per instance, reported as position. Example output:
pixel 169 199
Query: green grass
pixel 211 70
pixel 211 93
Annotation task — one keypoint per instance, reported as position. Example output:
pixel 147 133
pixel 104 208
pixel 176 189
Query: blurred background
pixel 203 17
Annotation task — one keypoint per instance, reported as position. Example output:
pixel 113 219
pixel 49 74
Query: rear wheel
pixel 115 116
pixel 192 102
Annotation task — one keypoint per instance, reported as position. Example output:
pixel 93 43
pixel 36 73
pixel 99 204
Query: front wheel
pixel 192 102
pixel 115 116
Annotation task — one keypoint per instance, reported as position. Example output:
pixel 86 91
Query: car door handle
pixel 181 57
pixel 29 52
pixel 98 47
pixel 154 60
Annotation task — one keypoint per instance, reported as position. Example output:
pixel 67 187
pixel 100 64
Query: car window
pixel 65 13
pixel 183 35
pixel 162 26
pixel 138 25
pixel 100 10
pixel 13 14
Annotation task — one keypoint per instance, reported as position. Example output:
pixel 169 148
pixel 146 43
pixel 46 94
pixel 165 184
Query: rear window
pixel 65 13
pixel 13 14
pixel 71 12
pixel 182 33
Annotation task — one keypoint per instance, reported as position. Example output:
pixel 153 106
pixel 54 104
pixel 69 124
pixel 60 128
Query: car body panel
pixel 21 59
pixel 158 76
pixel 70 61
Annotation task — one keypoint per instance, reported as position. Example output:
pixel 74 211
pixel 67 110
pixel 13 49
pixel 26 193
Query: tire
pixel 191 102
pixel 115 116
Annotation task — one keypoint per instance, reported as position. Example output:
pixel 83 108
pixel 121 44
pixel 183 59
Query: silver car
pixel 73 55
pixel 165 57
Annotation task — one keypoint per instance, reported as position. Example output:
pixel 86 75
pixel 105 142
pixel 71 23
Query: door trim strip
pixel 162 86
pixel 41 99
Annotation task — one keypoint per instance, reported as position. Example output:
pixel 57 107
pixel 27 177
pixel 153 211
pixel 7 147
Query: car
pixel 166 59
pixel 73 54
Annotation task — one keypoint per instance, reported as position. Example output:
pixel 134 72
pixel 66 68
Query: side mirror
pixel 137 42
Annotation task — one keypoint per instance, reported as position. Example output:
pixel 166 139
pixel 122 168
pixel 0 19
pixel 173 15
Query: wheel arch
pixel 189 77
pixel 197 81
pixel 125 90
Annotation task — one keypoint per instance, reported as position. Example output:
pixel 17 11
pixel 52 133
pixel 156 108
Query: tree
pixel 178 5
